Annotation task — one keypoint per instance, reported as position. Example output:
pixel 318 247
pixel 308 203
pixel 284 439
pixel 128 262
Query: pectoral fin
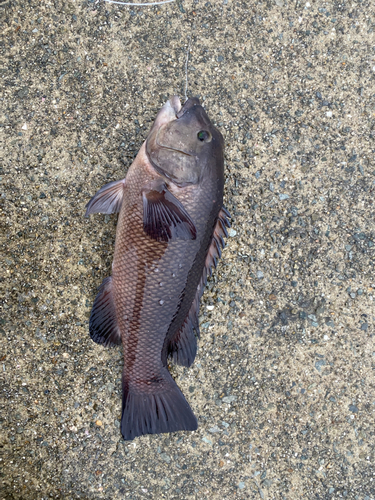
pixel 107 200
pixel 164 217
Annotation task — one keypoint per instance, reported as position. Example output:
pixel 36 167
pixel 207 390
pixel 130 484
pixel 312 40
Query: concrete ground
pixel 284 383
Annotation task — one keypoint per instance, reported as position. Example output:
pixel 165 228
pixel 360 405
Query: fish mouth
pixel 169 145
pixel 175 104
pixel 172 110
pixel 168 112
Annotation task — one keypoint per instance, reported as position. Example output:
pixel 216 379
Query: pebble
pixel 283 196
pixel 229 399
pixel 166 458
pixel 353 408
pixel 319 364
pixel 206 440
pixel 99 423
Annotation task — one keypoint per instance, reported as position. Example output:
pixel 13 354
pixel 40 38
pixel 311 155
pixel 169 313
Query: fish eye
pixel 204 136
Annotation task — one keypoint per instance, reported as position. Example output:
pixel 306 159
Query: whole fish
pixel 169 236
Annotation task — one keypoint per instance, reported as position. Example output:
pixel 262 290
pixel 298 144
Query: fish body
pixel 169 235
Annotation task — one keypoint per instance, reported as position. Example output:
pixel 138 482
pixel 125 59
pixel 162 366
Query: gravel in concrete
pixel 283 384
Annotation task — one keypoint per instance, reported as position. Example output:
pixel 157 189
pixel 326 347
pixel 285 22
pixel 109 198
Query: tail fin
pixel 163 409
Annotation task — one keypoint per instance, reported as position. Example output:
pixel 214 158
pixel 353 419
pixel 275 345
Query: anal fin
pixel 103 323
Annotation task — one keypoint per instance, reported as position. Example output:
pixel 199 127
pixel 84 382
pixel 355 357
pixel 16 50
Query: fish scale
pixel 169 234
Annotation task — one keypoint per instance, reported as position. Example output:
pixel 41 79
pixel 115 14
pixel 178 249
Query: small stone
pixel 279 3
pixel 110 387
pixel 283 196
pixel 166 458
pixel 232 232
pixel 23 92
pixel 364 327
pixel 260 275
pixel 206 440
pixel 99 423
pixel 319 364
pixel 229 399
pixel 241 485
pixel 353 408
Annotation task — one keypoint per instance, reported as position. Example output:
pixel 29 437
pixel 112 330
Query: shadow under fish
pixel 170 233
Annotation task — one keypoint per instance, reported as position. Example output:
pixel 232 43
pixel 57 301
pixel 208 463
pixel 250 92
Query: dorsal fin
pixel 183 346
pixel 217 243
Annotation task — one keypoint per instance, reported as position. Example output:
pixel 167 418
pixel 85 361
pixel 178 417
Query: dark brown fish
pixel 169 235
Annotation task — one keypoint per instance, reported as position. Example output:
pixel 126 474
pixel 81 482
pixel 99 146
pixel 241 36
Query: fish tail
pixel 155 407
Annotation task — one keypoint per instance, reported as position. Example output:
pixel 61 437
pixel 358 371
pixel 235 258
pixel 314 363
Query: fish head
pixel 183 144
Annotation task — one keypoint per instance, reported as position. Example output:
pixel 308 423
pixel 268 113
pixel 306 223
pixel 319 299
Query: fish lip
pixel 174 104
pixel 189 103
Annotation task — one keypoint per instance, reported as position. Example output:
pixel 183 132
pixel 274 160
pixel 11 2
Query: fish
pixel 170 233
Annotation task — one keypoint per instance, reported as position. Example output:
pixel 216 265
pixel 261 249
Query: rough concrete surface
pixel 283 384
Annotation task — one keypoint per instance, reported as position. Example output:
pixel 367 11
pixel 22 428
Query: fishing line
pixel 186 69
pixel 160 3
pixel 139 4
